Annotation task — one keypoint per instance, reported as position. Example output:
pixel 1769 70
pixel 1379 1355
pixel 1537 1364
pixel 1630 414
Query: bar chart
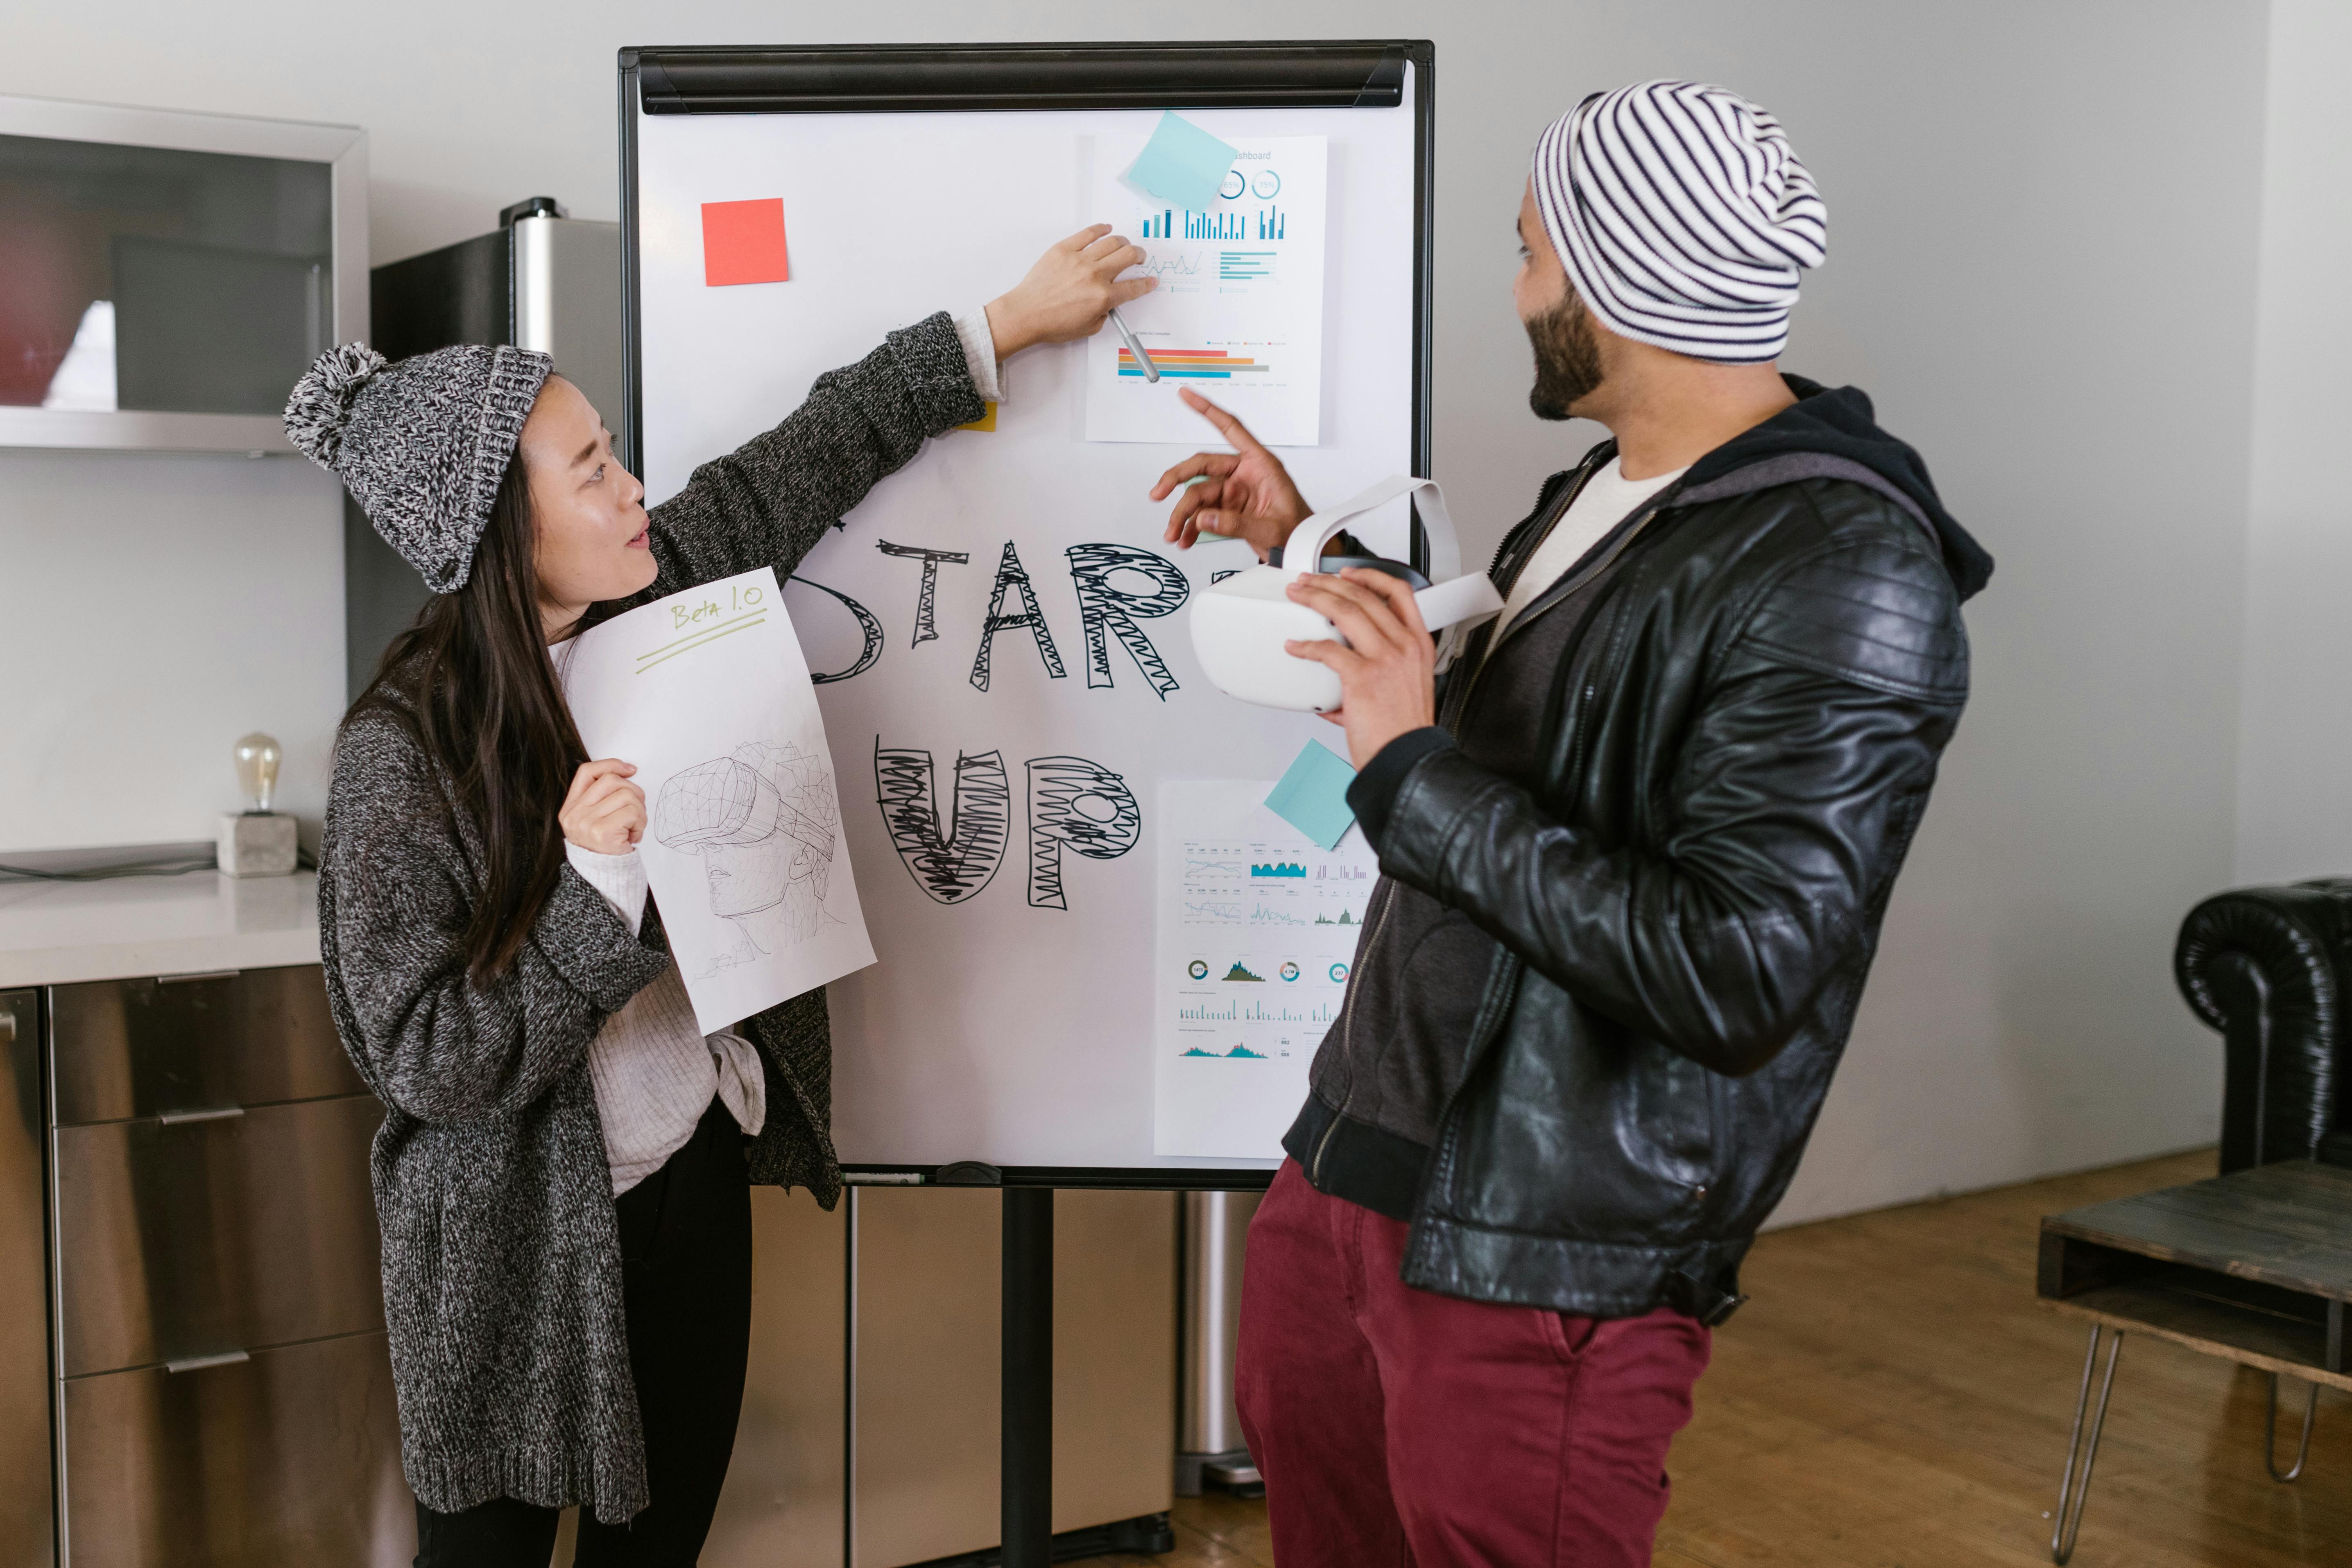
pixel 1194 364
pixel 1269 223
pixel 1233 1012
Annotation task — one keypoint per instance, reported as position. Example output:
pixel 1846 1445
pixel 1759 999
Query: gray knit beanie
pixel 422 444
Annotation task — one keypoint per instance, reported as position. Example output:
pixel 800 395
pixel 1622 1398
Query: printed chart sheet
pixel 1238 315
pixel 1257 929
pixel 706 693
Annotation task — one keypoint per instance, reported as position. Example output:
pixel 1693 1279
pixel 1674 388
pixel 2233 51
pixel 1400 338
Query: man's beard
pixel 1568 358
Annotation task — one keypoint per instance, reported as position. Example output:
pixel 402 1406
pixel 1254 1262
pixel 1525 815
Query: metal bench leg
pixel 2270 1433
pixel 2069 1522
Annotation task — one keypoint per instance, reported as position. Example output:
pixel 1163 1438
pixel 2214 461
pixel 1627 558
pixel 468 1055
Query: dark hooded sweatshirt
pixel 1426 966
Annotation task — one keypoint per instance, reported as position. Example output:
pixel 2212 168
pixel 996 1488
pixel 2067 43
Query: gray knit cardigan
pixel 501 1261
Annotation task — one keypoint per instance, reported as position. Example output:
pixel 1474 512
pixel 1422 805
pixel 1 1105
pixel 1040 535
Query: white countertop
pixel 52 933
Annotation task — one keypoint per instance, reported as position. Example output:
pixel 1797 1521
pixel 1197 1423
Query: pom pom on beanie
pixel 322 404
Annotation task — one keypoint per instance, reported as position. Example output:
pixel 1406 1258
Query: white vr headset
pixel 1240 625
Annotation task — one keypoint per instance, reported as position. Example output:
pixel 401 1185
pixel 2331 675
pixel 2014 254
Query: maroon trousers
pixel 1397 1427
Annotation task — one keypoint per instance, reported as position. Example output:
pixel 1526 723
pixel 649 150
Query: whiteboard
pixel 998 1026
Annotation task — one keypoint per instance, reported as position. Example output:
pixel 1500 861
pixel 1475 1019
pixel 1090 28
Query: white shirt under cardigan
pixel 654 1071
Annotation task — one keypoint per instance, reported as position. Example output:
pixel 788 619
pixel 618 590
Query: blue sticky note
pixel 1182 164
pixel 1313 795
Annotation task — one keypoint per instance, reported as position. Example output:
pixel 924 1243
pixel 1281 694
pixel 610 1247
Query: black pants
pixel 685 1278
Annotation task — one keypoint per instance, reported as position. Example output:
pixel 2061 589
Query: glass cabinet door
pixel 154 279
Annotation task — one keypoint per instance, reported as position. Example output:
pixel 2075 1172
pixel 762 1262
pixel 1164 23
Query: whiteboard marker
pixel 1151 371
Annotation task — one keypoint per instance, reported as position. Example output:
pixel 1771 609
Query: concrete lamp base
pixel 257 844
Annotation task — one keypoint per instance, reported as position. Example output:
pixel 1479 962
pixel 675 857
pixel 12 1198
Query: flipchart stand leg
pixel 849 1381
pixel 1028 1381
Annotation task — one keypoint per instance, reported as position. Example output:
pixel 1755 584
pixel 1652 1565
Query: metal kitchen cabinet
pixel 169 275
pixel 179 1240
pixel 929 1351
pixel 928 1357
pixel 27 1528
pixel 212 1336
pixel 223 1392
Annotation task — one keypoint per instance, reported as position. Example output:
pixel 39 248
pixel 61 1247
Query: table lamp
pixel 257 841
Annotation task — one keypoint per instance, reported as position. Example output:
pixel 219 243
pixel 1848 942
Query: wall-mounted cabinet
pixel 165 277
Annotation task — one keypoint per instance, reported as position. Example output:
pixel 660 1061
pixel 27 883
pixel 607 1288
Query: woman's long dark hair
pixel 471 681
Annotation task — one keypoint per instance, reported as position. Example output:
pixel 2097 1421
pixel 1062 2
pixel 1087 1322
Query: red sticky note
pixel 743 242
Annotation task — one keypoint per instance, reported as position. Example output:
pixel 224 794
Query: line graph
pixel 1197 867
pixel 1175 264
pixel 1266 915
pixel 1212 909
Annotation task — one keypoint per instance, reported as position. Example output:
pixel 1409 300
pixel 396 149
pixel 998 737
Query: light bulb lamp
pixel 257 841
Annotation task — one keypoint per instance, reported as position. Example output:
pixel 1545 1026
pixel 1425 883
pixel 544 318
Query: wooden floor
pixel 1892 1399
pixel 1217 1529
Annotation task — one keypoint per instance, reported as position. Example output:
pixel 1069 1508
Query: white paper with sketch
pixel 1238 315
pixel 706 692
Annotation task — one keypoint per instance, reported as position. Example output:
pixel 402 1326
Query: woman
pixel 561 1177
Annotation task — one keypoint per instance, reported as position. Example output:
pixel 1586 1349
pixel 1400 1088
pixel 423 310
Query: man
pixel 1635 842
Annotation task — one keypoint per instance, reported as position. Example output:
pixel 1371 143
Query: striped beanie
pixel 1683 217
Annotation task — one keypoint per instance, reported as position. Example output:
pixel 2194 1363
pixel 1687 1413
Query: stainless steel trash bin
pixel 1210 1448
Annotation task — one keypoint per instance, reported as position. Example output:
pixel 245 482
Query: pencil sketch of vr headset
pixel 1240 625
pixel 764 822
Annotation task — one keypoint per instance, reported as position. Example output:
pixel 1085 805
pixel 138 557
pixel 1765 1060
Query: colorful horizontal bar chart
pixel 1197 364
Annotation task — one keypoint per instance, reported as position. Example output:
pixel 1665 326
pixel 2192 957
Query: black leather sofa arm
pixel 2268 967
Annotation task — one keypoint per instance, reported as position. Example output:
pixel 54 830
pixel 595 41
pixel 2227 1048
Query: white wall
pixel 2042 262
pixel 158 607
pixel 2295 779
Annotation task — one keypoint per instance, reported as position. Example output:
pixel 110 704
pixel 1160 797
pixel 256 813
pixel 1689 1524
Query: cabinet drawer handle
pixel 184 978
pixel 198 1363
pixel 179 1118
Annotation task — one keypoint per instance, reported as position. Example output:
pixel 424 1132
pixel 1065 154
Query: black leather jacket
pixel 1681 899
